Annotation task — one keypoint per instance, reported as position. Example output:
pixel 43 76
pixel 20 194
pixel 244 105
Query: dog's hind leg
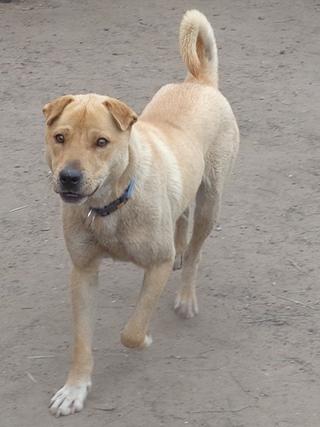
pixel 205 215
pixel 181 238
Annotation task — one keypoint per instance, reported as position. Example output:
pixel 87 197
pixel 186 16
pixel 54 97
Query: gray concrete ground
pixel 252 356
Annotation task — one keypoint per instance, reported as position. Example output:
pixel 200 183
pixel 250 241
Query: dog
pixel 127 184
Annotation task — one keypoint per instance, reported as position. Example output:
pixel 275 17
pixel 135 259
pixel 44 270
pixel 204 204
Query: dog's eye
pixel 59 138
pixel 102 142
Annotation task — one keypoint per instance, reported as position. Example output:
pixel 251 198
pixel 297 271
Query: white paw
pixel 69 399
pixel 186 305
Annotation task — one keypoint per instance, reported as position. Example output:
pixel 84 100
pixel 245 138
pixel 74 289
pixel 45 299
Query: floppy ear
pixel 53 109
pixel 122 114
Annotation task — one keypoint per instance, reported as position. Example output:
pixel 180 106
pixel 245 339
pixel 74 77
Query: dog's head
pixel 87 140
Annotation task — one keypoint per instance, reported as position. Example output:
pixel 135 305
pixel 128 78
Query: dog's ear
pixel 122 114
pixel 53 109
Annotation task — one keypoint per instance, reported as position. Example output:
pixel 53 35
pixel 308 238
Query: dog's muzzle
pixel 70 181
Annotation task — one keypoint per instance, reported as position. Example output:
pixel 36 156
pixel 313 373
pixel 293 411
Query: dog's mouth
pixel 72 197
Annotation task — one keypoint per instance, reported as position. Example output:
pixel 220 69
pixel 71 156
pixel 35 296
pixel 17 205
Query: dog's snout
pixel 70 178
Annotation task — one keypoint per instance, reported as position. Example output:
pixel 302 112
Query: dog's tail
pixel 198 47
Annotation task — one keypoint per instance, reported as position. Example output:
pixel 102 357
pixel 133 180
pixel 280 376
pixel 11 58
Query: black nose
pixel 70 178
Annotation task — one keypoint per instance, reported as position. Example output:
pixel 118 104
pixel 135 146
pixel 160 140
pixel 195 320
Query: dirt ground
pixel 252 356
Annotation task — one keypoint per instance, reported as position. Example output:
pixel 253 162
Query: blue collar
pixel 116 204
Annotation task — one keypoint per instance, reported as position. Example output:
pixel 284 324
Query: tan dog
pixel 127 184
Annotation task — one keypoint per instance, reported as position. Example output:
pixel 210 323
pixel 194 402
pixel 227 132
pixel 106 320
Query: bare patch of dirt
pixel 252 356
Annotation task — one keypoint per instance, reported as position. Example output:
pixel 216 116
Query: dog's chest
pixel 108 231
pixel 117 237
pixel 131 241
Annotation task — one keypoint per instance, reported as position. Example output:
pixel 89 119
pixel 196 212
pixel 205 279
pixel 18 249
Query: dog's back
pixel 196 107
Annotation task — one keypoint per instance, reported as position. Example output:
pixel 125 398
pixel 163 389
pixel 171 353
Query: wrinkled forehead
pixel 86 112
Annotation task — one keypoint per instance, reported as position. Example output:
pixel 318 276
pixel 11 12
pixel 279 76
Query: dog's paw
pixel 135 341
pixel 69 399
pixel 186 305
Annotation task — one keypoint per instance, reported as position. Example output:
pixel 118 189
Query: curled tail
pixel 198 47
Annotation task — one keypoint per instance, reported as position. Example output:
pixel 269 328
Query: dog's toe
pixel 69 399
pixel 186 306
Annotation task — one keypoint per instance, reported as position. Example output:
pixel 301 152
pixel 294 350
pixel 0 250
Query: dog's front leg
pixel 70 398
pixel 135 333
